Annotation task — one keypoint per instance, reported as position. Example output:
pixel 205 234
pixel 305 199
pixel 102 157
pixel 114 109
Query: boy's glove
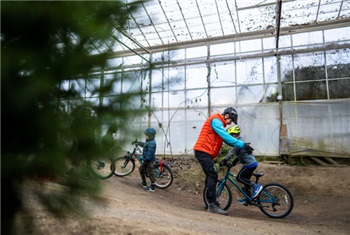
pixel 232 164
pixel 223 162
pixel 248 148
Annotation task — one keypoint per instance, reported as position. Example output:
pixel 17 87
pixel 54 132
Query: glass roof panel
pixel 162 22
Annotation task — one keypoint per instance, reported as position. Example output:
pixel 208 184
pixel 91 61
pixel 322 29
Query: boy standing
pixel 149 157
pixel 249 165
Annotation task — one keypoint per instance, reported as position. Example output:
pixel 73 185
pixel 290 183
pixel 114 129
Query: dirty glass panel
pixel 311 90
pixel 223 74
pixel 223 96
pixel 309 66
pixel 250 94
pixel 196 52
pixel 157 80
pixel 288 91
pixel 339 89
pixel 249 71
pixel 270 69
pixel 174 78
pixel 197 98
pixel 131 82
pixel 196 76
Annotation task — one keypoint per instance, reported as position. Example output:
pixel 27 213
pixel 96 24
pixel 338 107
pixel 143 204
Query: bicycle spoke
pixel 275 201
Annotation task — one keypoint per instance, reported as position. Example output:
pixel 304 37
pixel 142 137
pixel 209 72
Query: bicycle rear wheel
pixel 102 168
pixel 164 176
pixel 275 201
pixel 123 166
pixel 223 196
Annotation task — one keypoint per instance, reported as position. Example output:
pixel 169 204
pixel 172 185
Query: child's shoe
pixel 257 189
pixel 152 188
pixel 143 184
pixel 243 201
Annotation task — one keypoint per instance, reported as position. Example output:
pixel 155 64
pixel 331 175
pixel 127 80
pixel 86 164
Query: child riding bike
pixel 249 165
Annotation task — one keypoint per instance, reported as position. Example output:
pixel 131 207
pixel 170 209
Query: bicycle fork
pixel 220 187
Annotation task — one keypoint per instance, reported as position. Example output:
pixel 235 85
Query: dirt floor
pixel 321 195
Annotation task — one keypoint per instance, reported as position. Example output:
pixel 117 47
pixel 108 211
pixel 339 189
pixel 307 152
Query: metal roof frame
pixel 161 25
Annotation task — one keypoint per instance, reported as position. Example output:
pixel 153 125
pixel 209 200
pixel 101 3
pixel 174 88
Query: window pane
pixel 196 76
pixel 157 80
pixel 311 91
pixel 250 94
pixel 337 35
pixel 196 52
pixel 173 99
pixel 222 49
pixel 223 96
pixel 339 89
pixel 131 82
pixel 249 46
pixel 307 40
pixel 174 78
pixel 288 92
pixel 249 71
pixel 339 63
pixel 223 74
pixel 309 66
pixel 270 69
pixel 197 98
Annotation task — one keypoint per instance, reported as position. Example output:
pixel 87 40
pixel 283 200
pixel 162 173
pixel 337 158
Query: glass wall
pixel 184 86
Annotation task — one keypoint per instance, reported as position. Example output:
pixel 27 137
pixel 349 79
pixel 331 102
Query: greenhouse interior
pixel 283 65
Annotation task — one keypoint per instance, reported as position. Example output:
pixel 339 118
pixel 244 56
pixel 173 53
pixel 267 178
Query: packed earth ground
pixel 321 195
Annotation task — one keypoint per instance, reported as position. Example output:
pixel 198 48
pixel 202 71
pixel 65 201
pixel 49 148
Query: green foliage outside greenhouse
pixel 44 44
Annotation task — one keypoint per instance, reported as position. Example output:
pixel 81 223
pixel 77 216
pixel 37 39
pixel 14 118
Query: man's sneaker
pixel 257 189
pixel 206 206
pixel 152 188
pixel 243 201
pixel 143 184
pixel 214 208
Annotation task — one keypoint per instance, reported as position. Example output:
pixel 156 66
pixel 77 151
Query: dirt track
pixel 127 209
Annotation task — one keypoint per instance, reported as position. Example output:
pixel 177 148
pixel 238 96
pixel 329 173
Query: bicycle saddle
pixel 258 174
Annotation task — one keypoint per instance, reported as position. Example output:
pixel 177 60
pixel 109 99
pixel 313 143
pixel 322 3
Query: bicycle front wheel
pixel 164 176
pixel 123 166
pixel 275 201
pixel 102 168
pixel 223 196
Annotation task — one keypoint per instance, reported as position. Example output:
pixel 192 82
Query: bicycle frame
pixel 230 177
pixel 134 156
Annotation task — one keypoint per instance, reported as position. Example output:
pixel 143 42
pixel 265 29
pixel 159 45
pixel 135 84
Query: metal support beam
pixel 243 36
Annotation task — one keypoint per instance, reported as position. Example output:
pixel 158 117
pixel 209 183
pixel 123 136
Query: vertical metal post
pixel 208 80
pixel 283 135
pixel 149 94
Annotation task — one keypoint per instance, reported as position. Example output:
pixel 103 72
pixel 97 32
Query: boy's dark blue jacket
pixel 149 150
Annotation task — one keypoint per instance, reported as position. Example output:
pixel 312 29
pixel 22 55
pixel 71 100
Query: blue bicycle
pixel 125 165
pixel 275 200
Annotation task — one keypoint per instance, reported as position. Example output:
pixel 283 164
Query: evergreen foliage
pixel 44 44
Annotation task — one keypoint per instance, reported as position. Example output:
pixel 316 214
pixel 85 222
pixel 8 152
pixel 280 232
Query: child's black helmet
pixel 150 132
pixel 232 114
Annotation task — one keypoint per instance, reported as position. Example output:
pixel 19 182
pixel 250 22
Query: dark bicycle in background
pixel 125 165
